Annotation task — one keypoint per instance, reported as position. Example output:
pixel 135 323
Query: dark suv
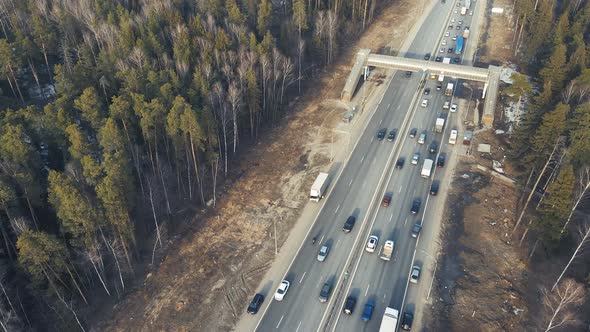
pixel 440 162
pixel 349 305
pixel 349 224
pixel 433 147
pixel 434 187
pixel 416 206
pixel 255 304
pixel 325 292
pixel 407 321
pixel 408 74
pixel 427 56
pixel 400 163
pixel 381 133
pixel 391 135
pixel 413 132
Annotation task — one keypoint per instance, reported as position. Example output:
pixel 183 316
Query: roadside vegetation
pixel 118 115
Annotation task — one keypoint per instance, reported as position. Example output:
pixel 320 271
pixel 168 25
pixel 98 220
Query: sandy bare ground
pixel 205 278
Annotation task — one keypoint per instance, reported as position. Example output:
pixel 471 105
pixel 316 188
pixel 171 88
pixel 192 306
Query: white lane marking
pixel 303 276
pixel 350 183
pixel 298 326
pixel 398 107
pixel 374 160
pixel 380 122
pixel 337 209
pixel 279 324
pixel 406 221
pixel 388 105
pixel 362 159
pixel 391 218
pixel 400 189
pixel 372 138
pixel 322 239
pixel 366 292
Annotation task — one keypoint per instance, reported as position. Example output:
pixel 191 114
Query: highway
pixel 367 176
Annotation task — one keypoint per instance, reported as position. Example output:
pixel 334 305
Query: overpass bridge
pixel 489 76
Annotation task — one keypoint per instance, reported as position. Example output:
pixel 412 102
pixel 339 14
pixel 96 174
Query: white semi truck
pixel 318 188
pixel 427 168
pixel 389 322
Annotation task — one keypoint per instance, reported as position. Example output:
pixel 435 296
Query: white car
pixel 452 20
pixel 415 158
pixel 415 274
pixel 455 37
pixel 424 103
pixel 282 290
pixel 453 108
pixel 455 11
pixel 453 136
pixel 444 42
pixel 442 50
pixel 372 243
pixel 460 22
pixel 324 250
pixel 471 13
pixel 447 34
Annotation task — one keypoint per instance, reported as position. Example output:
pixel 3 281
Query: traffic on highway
pixel 361 267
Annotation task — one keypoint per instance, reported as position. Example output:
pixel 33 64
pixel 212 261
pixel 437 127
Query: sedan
pixel 413 132
pixel 415 158
pixel 325 292
pixel 441 161
pixel 282 290
pixel 456 59
pixel 416 230
pixel 438 59
pixel 368 311
pixel 427 56
pixel 450 27
pixel 444 42
pixel 416 206
pixel 458 27
pixel 427 91
pixel 450 50
pixel 442 50
pixel 415 274
pixel 349 305
pixel 447 34
pixel 381 133
pixel 400 163
pixel 453 108
pixel 323 253
pixel 386 200
pixel 372 243
pixel 391 135
pixel 471 13
pixel 255 304
pixel 455 37
pixel 455 11
pixel 460 22
pixel 407 321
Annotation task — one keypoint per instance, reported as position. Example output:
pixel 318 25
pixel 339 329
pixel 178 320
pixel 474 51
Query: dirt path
pixel 213 271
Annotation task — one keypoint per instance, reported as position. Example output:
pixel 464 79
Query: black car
pixel 255 304
pixel 413 132
pixel 434 187
pixel 427 56
pixel 381 133
pixel 439 87
pixel 450 50
pixel 325 292
pixel 456 59
pixel 427 91
pixel 438 59
pixel 433 147
pixel 408 73
pixel 349 305
pixel 458 27
pixel 416 230
pixel 407 321
pixel 400 163
pixel 391 135
pixel 416 206
pixel 349 224
pixel 440 162
pixel 450 27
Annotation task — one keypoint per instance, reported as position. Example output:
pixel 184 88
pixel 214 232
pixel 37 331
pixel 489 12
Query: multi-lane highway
pixel 368 175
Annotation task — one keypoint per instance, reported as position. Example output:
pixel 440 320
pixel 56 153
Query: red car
pixel 386 200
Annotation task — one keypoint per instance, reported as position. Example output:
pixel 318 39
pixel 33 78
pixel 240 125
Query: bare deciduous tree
pixel 569 91
pixel 560 304
pixel 580 193
pixel 583 233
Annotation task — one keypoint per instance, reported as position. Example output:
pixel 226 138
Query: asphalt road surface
pixel 368 175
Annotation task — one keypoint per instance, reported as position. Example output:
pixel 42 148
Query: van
pixel 453 136
pixel 422 138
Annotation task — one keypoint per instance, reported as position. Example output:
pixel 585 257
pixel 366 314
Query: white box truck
pixel 449 90
pixel 438 126
pixel 318 188
pixel 466 33
pixel 463 11
pixel 389 322
pixel 427 168
pixel 387 250
pixel 447 60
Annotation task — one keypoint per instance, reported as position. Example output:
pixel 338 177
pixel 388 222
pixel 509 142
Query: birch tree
pixel 560 304
pixel 584 234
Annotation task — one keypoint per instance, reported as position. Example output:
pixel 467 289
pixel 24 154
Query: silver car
pixel 415 158
pixel 324 250
pixel 415 274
